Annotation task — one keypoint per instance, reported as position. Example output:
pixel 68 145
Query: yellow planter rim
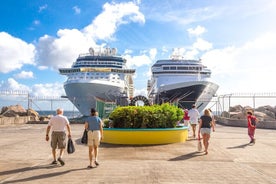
pixel 146 129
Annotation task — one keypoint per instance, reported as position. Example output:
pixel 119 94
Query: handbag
pixel 199 146
pixel 84 137
pixel 70 146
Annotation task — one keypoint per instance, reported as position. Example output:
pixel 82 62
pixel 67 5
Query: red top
pixel 249 120
pixel 186 116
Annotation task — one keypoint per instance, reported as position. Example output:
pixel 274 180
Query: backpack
pixel 253 121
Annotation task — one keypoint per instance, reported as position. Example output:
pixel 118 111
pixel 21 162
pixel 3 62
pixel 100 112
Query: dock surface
pixel 25 157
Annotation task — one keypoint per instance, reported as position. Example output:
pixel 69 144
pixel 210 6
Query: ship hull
pixel 186 94
pixel 86 95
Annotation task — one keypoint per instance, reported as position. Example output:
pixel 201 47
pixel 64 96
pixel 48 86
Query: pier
pixel 26 157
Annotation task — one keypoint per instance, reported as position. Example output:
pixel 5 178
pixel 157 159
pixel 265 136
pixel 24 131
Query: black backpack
pixel 253 121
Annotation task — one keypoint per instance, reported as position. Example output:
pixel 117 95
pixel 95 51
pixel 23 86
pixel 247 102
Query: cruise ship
pixel 96 78
pixel 182 82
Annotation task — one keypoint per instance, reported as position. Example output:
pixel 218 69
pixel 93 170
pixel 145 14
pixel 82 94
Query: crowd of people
pixel 206 124
pixel 59 123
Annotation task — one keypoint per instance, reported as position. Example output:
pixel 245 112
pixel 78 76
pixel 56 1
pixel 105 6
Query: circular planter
pixel 145 136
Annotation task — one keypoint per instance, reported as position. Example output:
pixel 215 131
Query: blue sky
pixel 235 39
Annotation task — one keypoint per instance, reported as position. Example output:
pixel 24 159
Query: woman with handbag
pixel 94 126
pixel 205 124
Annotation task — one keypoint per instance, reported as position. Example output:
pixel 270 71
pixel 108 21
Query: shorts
pixel 58 140
pixel 205 131
pixel 186 122
pixel 94 137
pixel 193 122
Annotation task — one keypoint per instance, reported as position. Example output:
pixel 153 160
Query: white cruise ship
pixel 182 82
pixel 98 77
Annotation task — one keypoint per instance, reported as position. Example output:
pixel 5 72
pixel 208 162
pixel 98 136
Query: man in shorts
pixel 58 124
pixel 194 118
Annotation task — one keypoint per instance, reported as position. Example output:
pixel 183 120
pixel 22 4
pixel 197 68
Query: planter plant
pixel 156 116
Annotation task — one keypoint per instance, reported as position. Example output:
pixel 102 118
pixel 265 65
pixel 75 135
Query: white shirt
pixel 58 123
pixel 194 116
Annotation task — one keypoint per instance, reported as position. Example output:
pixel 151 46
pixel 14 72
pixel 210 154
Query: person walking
pixel 58 124
pixel 194 116
pixel 94 125
pixel 186 118
pixel 205 124
pixel 251 124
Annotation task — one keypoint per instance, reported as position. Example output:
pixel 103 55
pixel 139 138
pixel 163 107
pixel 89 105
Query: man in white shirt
pixel 194 117
pixel 58 124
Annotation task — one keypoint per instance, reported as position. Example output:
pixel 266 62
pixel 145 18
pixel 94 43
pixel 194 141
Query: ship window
pixel 96 77
pixel 182 68
pixel 173 67
pixel 166 68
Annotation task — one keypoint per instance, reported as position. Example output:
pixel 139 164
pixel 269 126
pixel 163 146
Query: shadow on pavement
pixel 42 176
pixel 14 171
pixel 239 146
pixel 187 156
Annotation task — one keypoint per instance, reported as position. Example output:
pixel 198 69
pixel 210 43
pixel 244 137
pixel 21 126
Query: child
pixel 251 123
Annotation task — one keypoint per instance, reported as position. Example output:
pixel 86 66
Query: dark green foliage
pixel 156 116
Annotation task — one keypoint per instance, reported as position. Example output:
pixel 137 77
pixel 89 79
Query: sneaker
pixel 61 161
pixel 54 162
pixel 96 163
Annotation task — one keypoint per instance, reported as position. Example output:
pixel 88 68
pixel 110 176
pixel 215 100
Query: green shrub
pixel 156 116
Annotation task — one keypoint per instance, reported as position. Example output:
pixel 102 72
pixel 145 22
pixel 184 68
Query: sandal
pixel 96 163
pixel 61 161
pixel 89 167
pixel 54 162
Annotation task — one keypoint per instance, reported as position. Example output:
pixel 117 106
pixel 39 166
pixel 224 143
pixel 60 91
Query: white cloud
pixel 105 24
pixel 250 67
pixel 153 53
pixel 36 22
pixel 202 45
pixel 179 13
pixel 12 84
pixel 191 54
pixel 41 8
pixel 24 75
pixel 14 53
pixel 63 50
pixel 137 61
pixel 77 10
pixel 198 31
pixel 48 90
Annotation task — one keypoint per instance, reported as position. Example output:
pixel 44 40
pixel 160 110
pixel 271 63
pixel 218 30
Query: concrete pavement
pixel 25 158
